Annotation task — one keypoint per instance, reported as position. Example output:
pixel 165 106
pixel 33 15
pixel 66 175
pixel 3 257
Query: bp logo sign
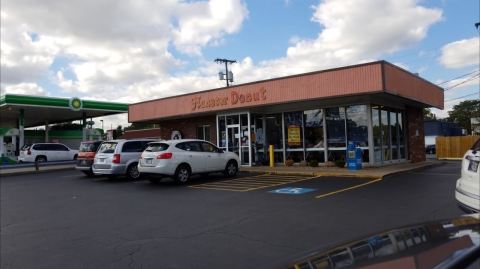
pixel 75 104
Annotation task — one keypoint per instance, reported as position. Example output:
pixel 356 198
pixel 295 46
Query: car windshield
pixel 156 147
pixel 26 147
pixel 88 147
pixel 107 147
pixel 476 146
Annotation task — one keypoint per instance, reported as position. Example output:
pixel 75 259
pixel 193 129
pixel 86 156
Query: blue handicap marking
pixel 291 190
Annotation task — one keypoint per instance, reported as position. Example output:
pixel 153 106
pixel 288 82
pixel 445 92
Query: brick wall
pixel 146 133
pixel 188 127
pixel 416 134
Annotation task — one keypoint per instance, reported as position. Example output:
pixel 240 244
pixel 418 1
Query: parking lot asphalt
pixel 65 220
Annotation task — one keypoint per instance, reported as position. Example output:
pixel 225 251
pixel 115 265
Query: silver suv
pixel 119 157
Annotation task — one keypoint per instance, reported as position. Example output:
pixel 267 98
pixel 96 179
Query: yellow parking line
pixel 347 189
pixel 263 181
pixel 246 182
pixel 217 184
pixel 219 189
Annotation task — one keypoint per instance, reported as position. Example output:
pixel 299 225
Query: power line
pixel 468 95
pixel 463 82
pixel 464 75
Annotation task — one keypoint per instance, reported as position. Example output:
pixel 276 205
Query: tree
pixel 118 132
pixel 428 115
pixel 66 126
pixel 139 126
pixel 463 112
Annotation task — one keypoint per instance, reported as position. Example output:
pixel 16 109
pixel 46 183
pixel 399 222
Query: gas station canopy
pixel 38 110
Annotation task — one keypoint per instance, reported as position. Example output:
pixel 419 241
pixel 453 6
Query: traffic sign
pixel 291 190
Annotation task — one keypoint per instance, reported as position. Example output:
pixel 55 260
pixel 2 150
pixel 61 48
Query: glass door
pixel 233 139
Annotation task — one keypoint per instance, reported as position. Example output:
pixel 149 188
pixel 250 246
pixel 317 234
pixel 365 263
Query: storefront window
pixel 203 132
pixel 314 139
pixel 377 135
pixel 258 140
pixel 274 135
pixel 357 125
pixel 222 130
pixel 233 119
pixel 401 135
pixel 394 135
pixel 244 139
pixel 387 153
pixel 293 133
pixel 335 118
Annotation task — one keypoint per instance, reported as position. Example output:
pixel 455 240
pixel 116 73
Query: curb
pixel 5 173
pixel 428 165
pixel 360 176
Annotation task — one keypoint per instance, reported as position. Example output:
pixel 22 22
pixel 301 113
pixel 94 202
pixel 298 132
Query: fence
pixel 454 147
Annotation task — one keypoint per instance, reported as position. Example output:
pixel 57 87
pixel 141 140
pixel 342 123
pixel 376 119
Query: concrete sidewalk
pixel 367 172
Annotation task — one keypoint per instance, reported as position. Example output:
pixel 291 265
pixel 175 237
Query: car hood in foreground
pixel 430 245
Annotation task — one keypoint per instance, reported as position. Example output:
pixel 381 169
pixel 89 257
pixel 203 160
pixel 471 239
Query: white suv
pixel 43 152
pixel 467 191
pixel 182 158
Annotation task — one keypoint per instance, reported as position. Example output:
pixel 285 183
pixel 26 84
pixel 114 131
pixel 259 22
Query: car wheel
pixel 132 172
pixel 231 169
pixel 182 175
pixel 75 157
pixel 41 159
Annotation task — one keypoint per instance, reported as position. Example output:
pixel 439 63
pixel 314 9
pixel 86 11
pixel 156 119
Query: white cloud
pixel 204 22
pixel 110 46
pixel 353 31
pixel 26 88
pixel 462 53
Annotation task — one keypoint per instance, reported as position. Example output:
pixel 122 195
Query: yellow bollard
pixel 272 161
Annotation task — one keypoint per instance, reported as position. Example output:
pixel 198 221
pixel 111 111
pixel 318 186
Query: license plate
pixel 101 160
pixel 84 162
pixel 473 166
pixel 148 161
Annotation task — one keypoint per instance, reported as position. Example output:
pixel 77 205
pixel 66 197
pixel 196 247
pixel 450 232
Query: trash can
pixel 354 157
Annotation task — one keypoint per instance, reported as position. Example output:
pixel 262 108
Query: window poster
pixel 294 138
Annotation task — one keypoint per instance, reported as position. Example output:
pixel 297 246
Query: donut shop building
pixel 377 106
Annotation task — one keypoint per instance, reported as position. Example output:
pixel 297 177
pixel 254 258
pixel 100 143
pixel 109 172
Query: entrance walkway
pixel 368 172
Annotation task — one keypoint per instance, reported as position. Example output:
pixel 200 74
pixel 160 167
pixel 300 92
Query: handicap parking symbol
pixel 291 190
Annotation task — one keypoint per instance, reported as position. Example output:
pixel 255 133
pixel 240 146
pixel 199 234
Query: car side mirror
pixel 220 151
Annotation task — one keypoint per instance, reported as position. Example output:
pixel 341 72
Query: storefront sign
pixel 233 98
pixel 75 104
pixel 293 137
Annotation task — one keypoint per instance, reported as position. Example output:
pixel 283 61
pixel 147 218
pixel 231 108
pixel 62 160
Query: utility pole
pixel 228 75
pixel 477 25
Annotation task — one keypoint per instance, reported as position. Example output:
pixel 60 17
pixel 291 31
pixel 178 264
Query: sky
pixel 135 50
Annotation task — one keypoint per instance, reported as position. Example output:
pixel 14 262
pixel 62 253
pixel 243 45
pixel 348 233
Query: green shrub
pixel 313 163
pixel 340 163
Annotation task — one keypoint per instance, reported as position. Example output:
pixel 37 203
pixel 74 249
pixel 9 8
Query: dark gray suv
pixel 119 157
